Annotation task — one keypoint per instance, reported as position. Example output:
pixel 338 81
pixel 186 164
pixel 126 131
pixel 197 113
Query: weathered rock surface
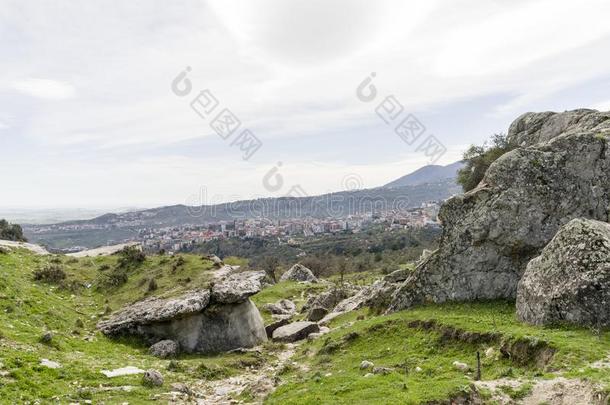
pixel 295 331
pixel 165 349
pixel 202 321
pixel 329 299
pixel 237 287
pixel 570 280
pixel 316 313
pixel 282 307
pixel 558 172
pixel 298 272
pixel 152 378
pixel 269 329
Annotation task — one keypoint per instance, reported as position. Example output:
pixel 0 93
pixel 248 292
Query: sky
pixel 94 115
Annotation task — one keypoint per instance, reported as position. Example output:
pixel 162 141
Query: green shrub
pixel 479 158
pixel 11 231
pixel 130 256
pixel 52 273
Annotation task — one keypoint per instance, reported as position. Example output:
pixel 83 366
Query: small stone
pixel 418 369
pixel 180 387
pixel 164 349
pixel 489 353
pixel 50 364
pixel 365 365
pixel 382 370
pixel 367 375
pixel 47 337
pixel 152 378
pixel 461 366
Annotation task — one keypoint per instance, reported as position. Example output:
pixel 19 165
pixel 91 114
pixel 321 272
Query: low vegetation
pixel 479 158
pixel 11 232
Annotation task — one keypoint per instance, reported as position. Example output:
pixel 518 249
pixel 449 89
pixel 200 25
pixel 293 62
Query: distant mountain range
pixel 426 184
pixel 427 174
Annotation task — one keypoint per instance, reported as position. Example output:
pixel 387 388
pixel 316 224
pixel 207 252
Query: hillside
pixel 414 350
pixel 427 174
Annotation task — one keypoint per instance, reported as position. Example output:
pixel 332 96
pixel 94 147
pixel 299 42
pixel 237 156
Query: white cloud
pixel 45 89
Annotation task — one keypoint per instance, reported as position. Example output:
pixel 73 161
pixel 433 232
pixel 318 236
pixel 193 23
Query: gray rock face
pixel 559 172
pixel 329 299
pixel 316 313
pixel 295 331
pixel 298 272
pixel 269 329
pixel 164 349
pixel 282 307
pixel 154 310
pixel 237 287
pixel 570 280
pixel 200 321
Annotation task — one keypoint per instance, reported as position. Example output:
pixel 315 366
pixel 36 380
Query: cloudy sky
pixel 88 117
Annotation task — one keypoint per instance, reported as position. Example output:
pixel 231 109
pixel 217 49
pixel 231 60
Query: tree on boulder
pixel 12 232
pixel 479 158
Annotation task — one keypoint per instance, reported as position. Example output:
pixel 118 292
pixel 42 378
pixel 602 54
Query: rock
pixel 298 272
pixel 570 280
pixel 295 331
pixel 237 287
pixel 317 313
pixel 418 369
pixel 490 353
pixel 324 330
pixel 282 307
pixel 189 321
pixel 558 172
pixel 365 365
pixel 397 276
pixel 367 375
pixel 269 329
pixel 182 388
pixel 152 378
pixel 49 364
pixel 378 295
pixel 329 299
pixel 461 366
pixel 164 349
pixel 129 370
pixel 214 259
pixel 153 310
pixel 382 370
pixel 46 337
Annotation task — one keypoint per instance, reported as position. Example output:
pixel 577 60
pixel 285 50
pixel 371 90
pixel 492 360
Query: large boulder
pixel 200 321
pixel 282 307
pixel 558 171
pixel 237 287
pixel 298 272
pixel 570 280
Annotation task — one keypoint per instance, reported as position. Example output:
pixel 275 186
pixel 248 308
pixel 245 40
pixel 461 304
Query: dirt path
pixel 258 383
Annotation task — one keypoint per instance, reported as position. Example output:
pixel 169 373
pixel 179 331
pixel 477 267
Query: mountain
pixel 427 174
pixel 115 228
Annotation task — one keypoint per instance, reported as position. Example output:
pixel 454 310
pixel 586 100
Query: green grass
pixel 291 290
pixel 28 309
pixel 388 341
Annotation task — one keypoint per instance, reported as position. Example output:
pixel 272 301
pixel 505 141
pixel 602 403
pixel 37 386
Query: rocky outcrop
pixel 237 287
pixel 298 272
pixel 282 307
pixel 202 321
pixel 329 299
pixel 558 171
pixel 295 331
pixel 164 349
pixel 570 280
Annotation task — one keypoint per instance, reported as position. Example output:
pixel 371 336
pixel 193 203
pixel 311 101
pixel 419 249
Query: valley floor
pixel 413 353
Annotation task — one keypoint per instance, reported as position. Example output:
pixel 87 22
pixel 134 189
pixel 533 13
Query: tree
pixel 270 265
pixel 479 158
pixel 11 232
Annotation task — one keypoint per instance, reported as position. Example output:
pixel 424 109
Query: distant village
pixel 174 239
pixel 183 237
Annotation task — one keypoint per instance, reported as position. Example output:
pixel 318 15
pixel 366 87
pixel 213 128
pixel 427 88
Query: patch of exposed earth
pixel 556 391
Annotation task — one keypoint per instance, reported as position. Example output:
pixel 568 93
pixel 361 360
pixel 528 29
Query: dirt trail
pixel 258 383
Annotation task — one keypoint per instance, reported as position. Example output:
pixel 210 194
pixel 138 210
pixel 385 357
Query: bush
pixel 11 232
pixel 50 274
pixel 131 256
pixel 479 158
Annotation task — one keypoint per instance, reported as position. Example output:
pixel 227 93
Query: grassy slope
pixel 28 309
pixel 334 375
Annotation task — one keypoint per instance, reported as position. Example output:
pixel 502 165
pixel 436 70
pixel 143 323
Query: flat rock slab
pixel 129 370
pixel 237 287
pixel 39 250
pixel 49 364
pixel 154 310
pixel 295 331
